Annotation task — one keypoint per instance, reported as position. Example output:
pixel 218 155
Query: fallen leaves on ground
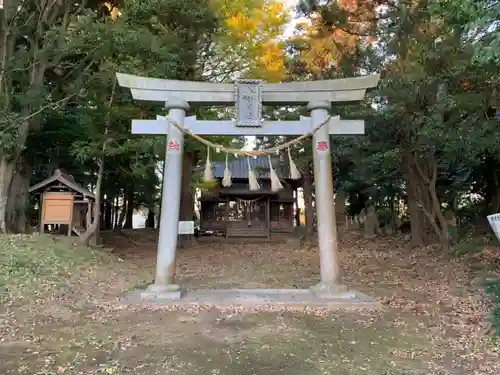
pixel 435 296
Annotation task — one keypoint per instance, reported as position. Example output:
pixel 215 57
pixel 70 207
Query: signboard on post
pixel 248 94
pixel 186 227
pixel 494 221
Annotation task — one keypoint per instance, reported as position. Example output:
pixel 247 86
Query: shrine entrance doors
pixel 248 217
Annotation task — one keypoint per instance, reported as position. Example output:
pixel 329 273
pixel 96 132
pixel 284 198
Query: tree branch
pixel 51 105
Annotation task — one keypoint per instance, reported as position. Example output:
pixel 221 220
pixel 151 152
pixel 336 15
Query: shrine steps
pixel 246 232
pixel 274 238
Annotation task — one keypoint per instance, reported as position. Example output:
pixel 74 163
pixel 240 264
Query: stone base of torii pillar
pixel 154 292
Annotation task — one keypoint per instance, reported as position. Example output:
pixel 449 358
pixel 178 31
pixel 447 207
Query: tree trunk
pixel 416 216
pixel 7 168
pixel 186 212
pixel 108 214
pixel 18 202
pixel 91 236
pixel 102 222
pixel 9 163
pixel 116 210
pixel 308 189
pixel 158 218
pixel 10 34
pixel 150 221
pixel 297 208
pixel 392 208
pixel 129 217
pixel 123 213
pixel 494 205
pixel 442 226
pixel 431 205
pixel 492 185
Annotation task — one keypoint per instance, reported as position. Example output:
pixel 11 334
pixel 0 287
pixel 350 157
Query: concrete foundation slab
pixel 251 298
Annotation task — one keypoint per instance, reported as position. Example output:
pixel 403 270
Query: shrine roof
pixel 239 168
pixel 66 179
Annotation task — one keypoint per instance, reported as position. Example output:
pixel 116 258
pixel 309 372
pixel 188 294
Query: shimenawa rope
pixel 253 183
pixel 263 152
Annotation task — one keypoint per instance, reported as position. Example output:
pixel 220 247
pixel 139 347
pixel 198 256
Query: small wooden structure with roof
pixel 236 211
pixel 64 202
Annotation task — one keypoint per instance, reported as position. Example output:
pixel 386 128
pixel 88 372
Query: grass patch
pixel 467 248
pixel 493 289
pixel 31 265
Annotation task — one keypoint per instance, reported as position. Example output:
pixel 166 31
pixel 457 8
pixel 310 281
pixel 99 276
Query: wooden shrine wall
pixel 214 216
pixel 281 217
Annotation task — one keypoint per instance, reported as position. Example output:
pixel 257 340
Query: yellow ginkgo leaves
pixel 113 10
pixel 271 61
pixel 326 42
pixel 256 28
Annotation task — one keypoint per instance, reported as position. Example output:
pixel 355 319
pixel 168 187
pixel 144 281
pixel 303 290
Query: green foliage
pixel 158 39
pixel 206 185
pixel 467 248
pixel 435 103
pixel 493 289
pixel 478 21
pixel 9 123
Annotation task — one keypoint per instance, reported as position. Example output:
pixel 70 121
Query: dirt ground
pixel 432 317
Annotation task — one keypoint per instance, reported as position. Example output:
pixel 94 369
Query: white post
pixel 170 205
pixel 325 203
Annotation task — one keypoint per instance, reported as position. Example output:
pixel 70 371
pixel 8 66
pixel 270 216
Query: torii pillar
pixel 178 95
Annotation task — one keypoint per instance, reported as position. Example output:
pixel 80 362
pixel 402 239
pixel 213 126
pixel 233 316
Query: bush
pixel 493 289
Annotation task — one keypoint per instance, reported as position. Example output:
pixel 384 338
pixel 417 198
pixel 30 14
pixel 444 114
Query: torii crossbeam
pixel 336 126
pixel 178 95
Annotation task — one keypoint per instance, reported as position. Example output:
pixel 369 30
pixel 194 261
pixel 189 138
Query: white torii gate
pixel 248 95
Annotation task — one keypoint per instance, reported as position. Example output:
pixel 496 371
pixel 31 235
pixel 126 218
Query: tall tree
pixel 435 93
pixel 248 42
pixel 36 57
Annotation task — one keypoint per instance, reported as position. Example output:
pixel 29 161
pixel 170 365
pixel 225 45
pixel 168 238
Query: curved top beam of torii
pixel 161 90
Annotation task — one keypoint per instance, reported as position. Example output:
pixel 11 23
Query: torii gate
pixel 248 95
